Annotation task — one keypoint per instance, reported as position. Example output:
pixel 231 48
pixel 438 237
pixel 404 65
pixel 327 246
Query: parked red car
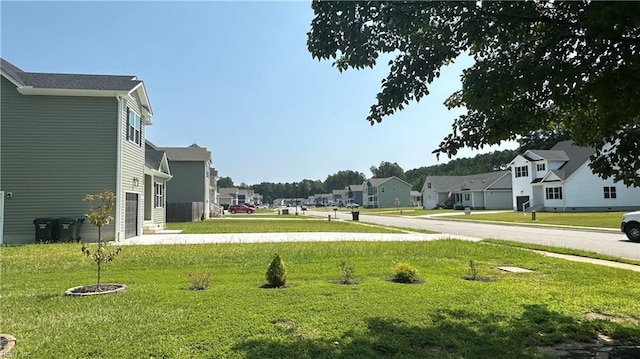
pixel 240 208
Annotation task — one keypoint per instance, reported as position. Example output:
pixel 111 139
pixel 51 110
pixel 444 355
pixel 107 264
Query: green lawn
pixel 406 211
pixel 581 219
pixel 445 317
pixel 250 224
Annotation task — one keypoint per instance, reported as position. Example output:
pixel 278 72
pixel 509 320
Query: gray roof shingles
pixel 191 153
pixel 70 81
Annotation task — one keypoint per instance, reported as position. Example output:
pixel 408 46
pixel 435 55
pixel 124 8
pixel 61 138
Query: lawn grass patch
pixel 575 219
pixel 257 225
pixel 561 250
pixel 313 317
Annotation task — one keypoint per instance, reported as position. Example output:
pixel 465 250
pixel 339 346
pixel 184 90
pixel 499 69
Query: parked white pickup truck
pixel 631 225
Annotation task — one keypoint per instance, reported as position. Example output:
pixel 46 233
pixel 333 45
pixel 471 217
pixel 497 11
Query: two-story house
pixel 67 135
pixel 386 193
pixel 560 179
pixel 190 167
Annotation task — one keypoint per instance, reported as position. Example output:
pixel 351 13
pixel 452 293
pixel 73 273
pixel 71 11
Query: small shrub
pixel 473 270
pixel 405 273
pixel 199 281
pixel 276 273
pixel 473 273
pixel 347 273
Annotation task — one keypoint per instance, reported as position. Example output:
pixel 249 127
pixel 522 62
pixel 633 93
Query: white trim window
pixel 540 167
pixel 467 197
pixel 522 171
pixel 134 127
pixel 158 190
pixel 554 192
pixel 610 192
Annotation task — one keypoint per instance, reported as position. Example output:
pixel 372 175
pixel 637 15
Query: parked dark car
pixel 240 208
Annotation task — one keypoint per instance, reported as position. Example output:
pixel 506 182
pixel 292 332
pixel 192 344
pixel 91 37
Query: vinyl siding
pixel 188 182
pixel 54 150
pixel 132 164
pixel 392 189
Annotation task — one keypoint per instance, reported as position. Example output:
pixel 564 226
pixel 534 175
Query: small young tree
pixel 276 273
pixel 100 214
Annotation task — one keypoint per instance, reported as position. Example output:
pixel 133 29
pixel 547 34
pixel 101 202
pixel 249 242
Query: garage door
pixel 131 216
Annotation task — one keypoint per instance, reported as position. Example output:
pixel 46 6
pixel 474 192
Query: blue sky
pixel 235 77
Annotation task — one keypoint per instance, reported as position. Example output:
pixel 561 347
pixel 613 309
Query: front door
pixel 521 200
pixel 131 216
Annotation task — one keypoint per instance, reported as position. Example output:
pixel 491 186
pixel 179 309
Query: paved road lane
pixel 613 243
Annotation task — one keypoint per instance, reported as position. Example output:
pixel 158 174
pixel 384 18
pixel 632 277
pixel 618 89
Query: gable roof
pixel 70 84
pixel 155 160
pixel 475 182
pixel 193 153
pixel 378 181
pixel 573 156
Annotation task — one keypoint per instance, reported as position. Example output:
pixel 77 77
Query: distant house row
pixel 372 193
pixel 66 135
pixel 557 180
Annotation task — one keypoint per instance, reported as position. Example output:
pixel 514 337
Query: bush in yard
pixel 199 281
pixel 405 273
pixel 473 273
pixel 347 273
pixel 276 273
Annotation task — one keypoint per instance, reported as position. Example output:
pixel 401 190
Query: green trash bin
pixel 67 229
pixel 44 229
pixel 355 215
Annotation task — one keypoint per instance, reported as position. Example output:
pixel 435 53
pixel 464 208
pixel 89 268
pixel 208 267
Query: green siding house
pixel 66 135
pixel 191 182
pixel 386 193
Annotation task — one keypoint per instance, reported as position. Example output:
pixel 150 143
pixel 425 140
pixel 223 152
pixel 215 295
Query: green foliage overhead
pixel 539 65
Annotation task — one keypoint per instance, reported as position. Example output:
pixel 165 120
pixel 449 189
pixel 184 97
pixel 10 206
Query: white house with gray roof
pixel 64 136
pixel 560 180
pixel 491 190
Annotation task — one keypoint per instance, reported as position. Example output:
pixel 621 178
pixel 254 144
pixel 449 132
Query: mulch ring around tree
pixel 93 289
pixel 6 343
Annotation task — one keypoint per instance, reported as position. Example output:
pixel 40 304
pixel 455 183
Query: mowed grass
pixel 406 211
pixel 273 225
pixel 445 317
pixel 577 219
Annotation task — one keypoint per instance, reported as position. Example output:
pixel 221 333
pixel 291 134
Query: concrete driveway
pixel 611 242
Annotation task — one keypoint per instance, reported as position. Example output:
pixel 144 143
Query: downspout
pixel 119 194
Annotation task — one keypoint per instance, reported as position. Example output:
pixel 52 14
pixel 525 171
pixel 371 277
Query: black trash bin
pixel 355 215
pixel 44 229
pixel 68 229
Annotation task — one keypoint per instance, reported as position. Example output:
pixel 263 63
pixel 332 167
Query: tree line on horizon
pixel 481 163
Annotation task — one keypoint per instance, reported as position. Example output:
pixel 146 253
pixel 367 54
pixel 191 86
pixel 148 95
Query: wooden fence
pixel 185 211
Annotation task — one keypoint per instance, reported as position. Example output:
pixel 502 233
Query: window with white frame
pixel 467 197
pixel 522 171
pixel 134 127
pixel 610 192
pixel 428 184
pixel 541 167
pixel 554 192
pixel 158 189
